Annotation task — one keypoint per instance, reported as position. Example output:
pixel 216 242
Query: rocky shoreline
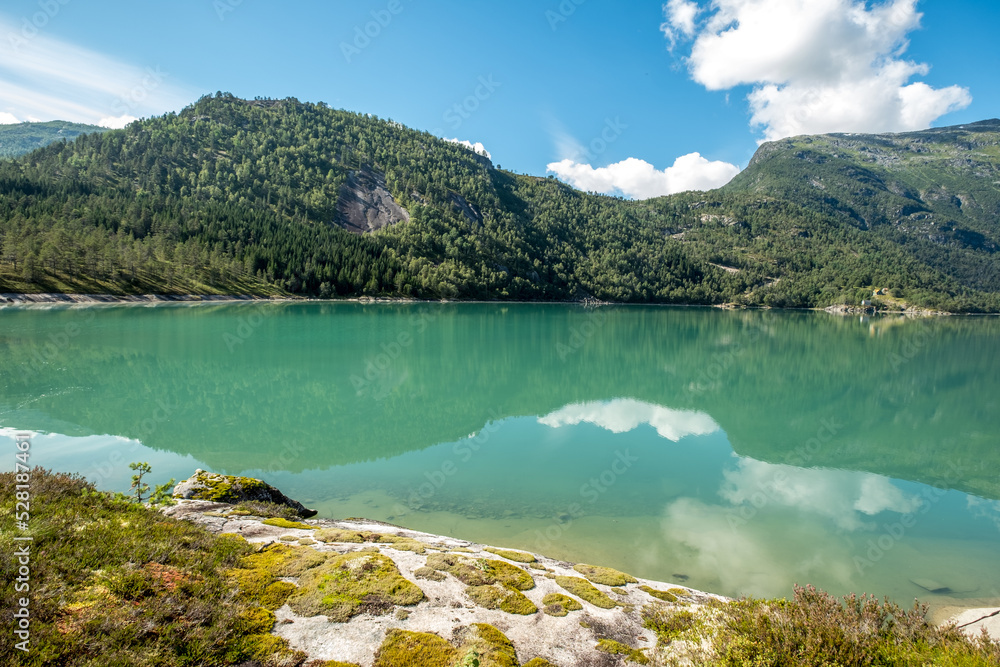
pixel 449 593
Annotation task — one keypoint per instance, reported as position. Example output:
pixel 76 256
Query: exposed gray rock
pixel 215 488
pixel 366 205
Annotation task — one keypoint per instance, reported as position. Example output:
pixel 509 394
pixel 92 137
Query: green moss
pixel 619 591
pixel 257 576
pixel 353 584
pixel 516 556
pixel 481 571
pixel 605 575
pixel 266 649
pixel 333 663
pixel 414 649
pixel 538 662
pixel 617 648
pixel 337 535
pixel 429 573
pixel 487 644
pixel 502 597
pixel 256 621
pixel 276 594
pixel 285 523
pixel 402 543
pixel 557 604
pixel 584 590
pixel 224 488
pixel 666 596
pixel 670 623
pixel 679 592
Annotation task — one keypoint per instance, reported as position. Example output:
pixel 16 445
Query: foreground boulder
pixel 235 490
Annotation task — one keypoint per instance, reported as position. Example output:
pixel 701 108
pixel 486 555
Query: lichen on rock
pixel 355 583
pixel 217 488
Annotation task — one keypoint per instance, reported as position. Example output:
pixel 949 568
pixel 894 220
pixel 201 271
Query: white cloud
pixel 681 15
pixel 474 147
pixel 640 180
pixel 116 123
pixel 623 415
pixel 842 496
pixel 8 118
pixel 44 77
pixel 816 66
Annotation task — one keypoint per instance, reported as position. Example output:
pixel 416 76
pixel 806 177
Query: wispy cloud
pixel 49 79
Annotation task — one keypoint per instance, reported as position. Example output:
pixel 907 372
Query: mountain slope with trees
pixel 232 195
pixel 22 138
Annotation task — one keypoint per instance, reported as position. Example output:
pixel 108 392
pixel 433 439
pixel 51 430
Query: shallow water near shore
pixel 733 452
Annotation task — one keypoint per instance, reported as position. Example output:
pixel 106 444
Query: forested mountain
pixel 22 138
pixel 269 196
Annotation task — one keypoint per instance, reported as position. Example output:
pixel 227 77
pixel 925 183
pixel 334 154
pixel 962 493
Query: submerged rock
pixel 234 490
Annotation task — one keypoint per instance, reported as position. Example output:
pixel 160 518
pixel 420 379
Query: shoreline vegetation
pixel 70 299
pixel 254 583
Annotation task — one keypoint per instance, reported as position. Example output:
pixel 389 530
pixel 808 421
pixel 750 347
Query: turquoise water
pixel 736 452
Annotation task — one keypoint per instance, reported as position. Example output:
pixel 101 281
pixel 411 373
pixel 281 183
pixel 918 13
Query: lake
pixel 734 452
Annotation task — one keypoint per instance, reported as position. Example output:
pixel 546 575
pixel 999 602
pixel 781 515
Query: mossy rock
pixel 415 649
pixel 283 560
pixel 285 523
pixel 235 490
pixel 605 575
pixel 617 648
pixel 584 590
pixel 538 662
pixel 429 573
pixel 333 663
pixel 258 574
pixel 666 596
pixel 516 556
pixel 502 597
pixel 337 535
pixel 482 571
pixel 559 605
pixel 340 536
pixel 353 584
pixel 487 644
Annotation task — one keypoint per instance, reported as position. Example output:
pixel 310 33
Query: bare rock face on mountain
pixel 366 205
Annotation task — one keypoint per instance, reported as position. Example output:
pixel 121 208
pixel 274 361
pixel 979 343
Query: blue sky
pixel 610 96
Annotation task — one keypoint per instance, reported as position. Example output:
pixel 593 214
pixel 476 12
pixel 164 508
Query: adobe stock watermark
pixel 376 368
pixel 55 344
pixel 590 493
pixel 580 335
pixel 562 13
pixel 463 110
pixel 609 134
pixel 436 479
pixel 893 533
pixel 720 363
pixel 769 491
pixel 21 557
pixel 246 327
pixel 223 7
pixel 365 35
pixel 31 26
pixel 153 78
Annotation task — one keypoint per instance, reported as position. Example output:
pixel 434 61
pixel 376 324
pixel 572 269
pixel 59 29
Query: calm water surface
pixel 738 453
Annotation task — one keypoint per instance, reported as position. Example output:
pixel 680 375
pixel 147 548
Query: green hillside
pixel 269 196
pixel 22 138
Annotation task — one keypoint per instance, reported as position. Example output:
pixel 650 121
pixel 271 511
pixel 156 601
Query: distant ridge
pixel 266 197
